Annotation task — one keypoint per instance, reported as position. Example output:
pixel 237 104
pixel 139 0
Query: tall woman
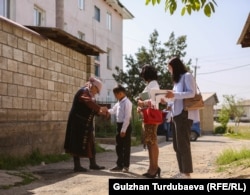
pixel 149 74
pixel 184 87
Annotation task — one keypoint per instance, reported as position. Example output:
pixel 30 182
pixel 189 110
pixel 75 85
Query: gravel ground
pixel 59 178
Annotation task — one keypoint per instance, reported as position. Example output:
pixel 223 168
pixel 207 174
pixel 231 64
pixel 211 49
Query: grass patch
pixel 237 132
pixel 35 158
pixel 99 149
pixel 241 134
pixel 26 179
pixel 136 142
pixel 230 159
pixel 228 156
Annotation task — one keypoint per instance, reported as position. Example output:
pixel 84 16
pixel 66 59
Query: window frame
pixel 109 58
pixel 97 13
pixel 81 4
pixel 97 69
pixel 97 66
pixel 39 17
pixel 81 35
pixel 109 21
pixel 5 8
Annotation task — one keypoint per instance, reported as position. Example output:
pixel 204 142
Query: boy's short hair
pixel 119 88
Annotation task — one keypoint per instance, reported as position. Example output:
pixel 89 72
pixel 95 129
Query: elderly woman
pixel 79 139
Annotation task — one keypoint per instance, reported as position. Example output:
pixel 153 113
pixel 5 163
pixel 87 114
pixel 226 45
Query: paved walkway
pixel 59 178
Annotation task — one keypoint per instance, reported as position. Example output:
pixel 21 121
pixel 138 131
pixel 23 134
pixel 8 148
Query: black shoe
pixel 80 169
pixel 116 169
pixel 96 167
pixel 125 170
pixel 144 174
pixel 158 172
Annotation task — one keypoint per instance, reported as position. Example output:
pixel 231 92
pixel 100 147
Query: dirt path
pixel 58 179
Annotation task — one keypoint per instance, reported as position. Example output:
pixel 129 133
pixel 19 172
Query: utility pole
pixel 195 69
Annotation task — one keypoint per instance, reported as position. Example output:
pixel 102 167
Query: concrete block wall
pixel 207 123
pixel 38 79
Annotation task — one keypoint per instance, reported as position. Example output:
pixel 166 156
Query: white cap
pixel 96 82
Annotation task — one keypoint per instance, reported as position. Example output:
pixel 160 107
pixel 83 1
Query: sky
pixel 223 66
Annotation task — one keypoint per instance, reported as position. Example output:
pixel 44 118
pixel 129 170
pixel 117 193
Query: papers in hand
pixel 158 94
pixel 144 96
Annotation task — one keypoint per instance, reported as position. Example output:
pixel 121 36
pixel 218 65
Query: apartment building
pixel 98 22
pixel 43 61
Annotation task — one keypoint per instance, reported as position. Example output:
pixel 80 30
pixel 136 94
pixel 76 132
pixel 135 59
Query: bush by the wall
pixel 220 130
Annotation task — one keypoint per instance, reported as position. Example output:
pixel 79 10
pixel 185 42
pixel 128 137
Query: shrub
pixel 220 130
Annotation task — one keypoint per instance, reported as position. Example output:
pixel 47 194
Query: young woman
pixel 184 87
pixel 149 74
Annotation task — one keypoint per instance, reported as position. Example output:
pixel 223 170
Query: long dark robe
pixel 79 138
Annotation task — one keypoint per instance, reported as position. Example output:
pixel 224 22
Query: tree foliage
pixel 224 116
pixel 231 109
pixel 156 55
pixel 208 6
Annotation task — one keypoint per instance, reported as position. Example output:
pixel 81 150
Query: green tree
pixel 224 116
pixel 231 109
pixel 156 55
pixel 208 6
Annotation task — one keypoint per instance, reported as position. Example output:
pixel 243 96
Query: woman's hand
pixel 145 103
pixel 163 101
pixel 138 109
pixel 169 94
pixel 104 112
pixel 140 103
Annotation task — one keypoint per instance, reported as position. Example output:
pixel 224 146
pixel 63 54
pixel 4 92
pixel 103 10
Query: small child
pixel 167 123
pixel 123 112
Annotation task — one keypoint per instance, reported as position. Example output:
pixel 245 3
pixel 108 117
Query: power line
pixel 224 69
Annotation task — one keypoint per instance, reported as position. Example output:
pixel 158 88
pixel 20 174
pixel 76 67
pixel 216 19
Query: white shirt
pixel 168 115
pixel 185 88
pixel 123 111
pixel 151 85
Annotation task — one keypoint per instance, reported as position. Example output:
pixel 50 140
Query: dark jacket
pixel 80 122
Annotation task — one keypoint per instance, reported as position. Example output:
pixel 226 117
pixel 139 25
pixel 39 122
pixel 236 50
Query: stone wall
pixel 38 79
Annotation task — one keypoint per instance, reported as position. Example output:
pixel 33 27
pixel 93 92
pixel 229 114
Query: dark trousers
pixel 123 146
pixel 181 142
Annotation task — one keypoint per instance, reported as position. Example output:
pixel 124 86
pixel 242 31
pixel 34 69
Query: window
pixel 81 4
pixel 109 57
pixel 97 69
pixel 97 14
pixel 108 98
pixel 97 65
pixel 109 21
pixel 38 17
pixel 81 35
pixel 97 58
pixel 5 8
